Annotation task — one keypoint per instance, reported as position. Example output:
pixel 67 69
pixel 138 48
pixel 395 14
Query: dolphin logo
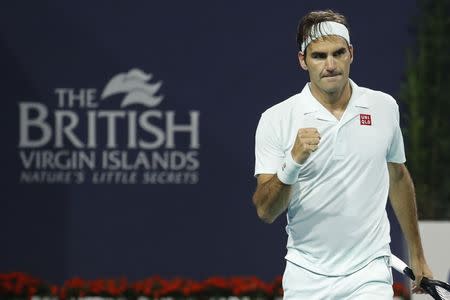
pixel 135 84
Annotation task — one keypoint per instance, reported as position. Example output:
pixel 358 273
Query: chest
pixel 361 137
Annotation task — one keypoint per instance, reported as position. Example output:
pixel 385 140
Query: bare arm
pixel 271 197
pixel 403 201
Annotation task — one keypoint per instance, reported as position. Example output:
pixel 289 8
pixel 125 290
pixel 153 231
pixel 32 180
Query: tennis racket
pixel 439 290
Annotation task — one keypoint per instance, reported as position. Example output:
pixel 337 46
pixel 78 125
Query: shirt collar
pixel 311 104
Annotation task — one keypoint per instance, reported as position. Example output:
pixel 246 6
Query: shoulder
pixel 282 109
pixel 275 122
pixel 378 98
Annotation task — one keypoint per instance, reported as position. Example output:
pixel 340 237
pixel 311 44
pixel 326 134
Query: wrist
pixel 289 170
pixel 416 254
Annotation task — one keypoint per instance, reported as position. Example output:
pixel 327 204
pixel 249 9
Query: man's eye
pixel 318 56
pixel 339 53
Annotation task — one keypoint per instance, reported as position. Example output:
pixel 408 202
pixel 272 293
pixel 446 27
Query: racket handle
pixel 408 272
pixel 401 267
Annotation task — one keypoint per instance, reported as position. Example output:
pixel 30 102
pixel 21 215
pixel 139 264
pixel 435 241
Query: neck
pixel 335 102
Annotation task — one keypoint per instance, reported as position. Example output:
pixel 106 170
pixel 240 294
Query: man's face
pixel 328 62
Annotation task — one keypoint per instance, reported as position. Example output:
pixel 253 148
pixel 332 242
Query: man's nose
pixel 330 63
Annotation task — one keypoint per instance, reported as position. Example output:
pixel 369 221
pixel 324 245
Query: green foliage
pixel 426 95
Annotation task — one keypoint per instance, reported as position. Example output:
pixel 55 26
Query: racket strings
pixel 443 293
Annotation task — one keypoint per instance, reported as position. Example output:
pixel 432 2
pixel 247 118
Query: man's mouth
pixel 331 75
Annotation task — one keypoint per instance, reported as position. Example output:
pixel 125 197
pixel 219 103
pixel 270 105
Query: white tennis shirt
pixel 336 219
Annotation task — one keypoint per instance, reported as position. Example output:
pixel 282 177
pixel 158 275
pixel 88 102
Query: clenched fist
pixel 306 142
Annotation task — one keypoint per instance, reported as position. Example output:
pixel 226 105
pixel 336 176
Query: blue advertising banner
pixel 128 130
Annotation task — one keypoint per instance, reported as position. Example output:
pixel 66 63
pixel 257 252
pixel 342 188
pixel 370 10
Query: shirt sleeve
pixel 268 151
pixel 396 152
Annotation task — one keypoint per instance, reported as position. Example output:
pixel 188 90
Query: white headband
pixel 326 28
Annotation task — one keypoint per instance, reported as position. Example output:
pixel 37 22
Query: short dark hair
pixel 305 26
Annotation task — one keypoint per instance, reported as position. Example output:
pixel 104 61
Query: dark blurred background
pixel 226 61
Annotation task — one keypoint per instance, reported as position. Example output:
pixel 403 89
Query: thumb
pixel 418 280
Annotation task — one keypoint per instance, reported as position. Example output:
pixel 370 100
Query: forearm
pixel 403 202
pixel 271 198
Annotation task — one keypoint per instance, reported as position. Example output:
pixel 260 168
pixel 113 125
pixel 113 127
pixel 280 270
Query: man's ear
pixel 350 49
pixel 302 60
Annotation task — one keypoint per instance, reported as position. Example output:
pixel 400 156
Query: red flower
pixel 54 290
pixel 277 286
pixel 32 291
pixel 250 286
pixel 400 290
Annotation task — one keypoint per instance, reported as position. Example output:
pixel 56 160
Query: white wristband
pixel 289 170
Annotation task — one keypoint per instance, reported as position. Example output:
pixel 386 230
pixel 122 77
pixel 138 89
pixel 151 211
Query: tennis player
pixel 331 155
